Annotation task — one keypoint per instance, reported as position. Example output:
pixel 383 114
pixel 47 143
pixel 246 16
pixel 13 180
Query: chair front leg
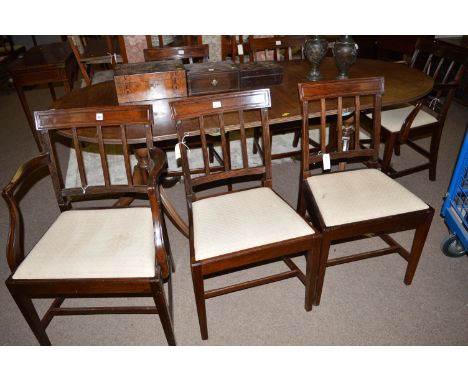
pixel 163 311
pixel 29 312
pixel 416 249
pixel 324 251
pixel 199 289
pixel 434 151
pixel 312 267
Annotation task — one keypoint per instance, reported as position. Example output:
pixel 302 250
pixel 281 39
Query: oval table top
pixel 402 84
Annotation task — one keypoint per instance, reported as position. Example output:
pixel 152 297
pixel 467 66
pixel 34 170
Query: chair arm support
pixel 158 166
pixel 405 128
pixel 14 250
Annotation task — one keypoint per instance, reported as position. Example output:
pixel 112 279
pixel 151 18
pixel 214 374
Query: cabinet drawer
pixel 213 83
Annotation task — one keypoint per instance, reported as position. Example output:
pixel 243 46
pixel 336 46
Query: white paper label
pixel 216 104
pixel 240 49
pixel 177 151
pixel 180 51
pixel 326 161
pixel 278 42
pixel 99 117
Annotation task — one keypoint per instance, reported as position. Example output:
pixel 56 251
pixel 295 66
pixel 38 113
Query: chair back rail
pixel 69 122
pixel 189 53
pixel 211 113
pixel 277 44
pixel 330 94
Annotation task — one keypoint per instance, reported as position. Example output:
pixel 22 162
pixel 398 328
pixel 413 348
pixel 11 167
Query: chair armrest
pixel 161 242
pixel 25 170
pixel 14 251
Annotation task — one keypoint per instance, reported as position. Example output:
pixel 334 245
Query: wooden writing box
pixel 212 77
pixel 256 75
pixel 150 81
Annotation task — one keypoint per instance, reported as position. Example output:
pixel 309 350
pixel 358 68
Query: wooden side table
pixel 43 64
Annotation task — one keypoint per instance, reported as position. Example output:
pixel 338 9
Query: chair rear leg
pixel 433 153
pixel 416 249
pixel 163 311
pixel 324 250
pixel 396 149
pixel 198 287
pixel 29 312
pixel 297 136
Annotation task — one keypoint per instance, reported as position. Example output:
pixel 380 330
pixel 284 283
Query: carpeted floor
pixel 363 303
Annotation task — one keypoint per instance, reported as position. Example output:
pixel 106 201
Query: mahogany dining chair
pixel 242 227
pixel 358 203
pixel 92 252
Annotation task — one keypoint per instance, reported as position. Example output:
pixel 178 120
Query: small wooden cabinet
pixel 213 77
pixel 150 81
pixel 256 75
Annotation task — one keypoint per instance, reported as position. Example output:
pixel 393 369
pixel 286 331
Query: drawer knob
pixel 214 82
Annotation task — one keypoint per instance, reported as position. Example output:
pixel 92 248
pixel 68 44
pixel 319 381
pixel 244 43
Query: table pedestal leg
pixel 140 176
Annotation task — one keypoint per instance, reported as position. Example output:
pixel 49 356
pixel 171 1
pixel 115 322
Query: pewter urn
pixel 345 52
pixel 314 50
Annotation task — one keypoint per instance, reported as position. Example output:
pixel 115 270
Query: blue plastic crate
pixel 455 207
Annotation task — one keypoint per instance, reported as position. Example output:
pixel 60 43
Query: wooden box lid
pixel 147 68
pixel 253 69
pixel 210 67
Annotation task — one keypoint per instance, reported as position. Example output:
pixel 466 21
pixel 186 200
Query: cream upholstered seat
pixel 360 195
pixel 103 243
pixel 99 76
pixel 243 220
pixel 393 119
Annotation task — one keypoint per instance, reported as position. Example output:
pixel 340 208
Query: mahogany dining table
pixel 402 85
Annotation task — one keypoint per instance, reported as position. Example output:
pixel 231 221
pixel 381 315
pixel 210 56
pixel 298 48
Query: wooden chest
pixel 212 77
pixel 150 81
pixel 256 75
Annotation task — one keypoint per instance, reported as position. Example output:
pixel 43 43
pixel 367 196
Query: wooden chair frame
pixel 201 109
pixel 85 63
pixel 178 53
pixel 446 65
pixel 70 122
pixel 277 44
pixel 323 91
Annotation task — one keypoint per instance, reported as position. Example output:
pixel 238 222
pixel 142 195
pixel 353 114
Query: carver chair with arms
pixel 240 228
pixel 359 203
pixel 278 48
pixel 408 123
pixel 92 252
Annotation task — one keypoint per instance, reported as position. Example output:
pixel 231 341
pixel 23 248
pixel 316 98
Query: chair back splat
pixel 110 126
pixel 219 114
pixel 446 65
pixel 340 97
